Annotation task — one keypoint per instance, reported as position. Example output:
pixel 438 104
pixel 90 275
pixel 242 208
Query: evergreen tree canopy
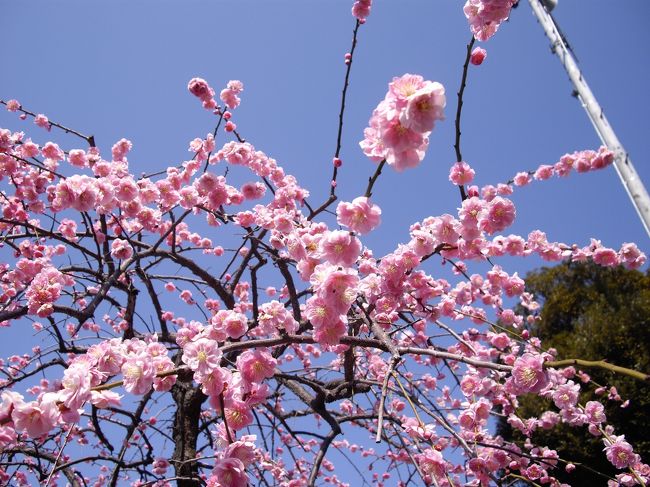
pixel 594 313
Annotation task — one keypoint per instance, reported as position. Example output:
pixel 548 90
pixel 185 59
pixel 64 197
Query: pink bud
pixel 230 126
pixel 478 56
pixel 227 115
pixel 337 162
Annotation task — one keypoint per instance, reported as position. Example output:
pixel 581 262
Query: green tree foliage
pixel 593 313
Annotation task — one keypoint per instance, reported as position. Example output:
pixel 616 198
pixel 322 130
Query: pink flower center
pixel 133 372
pixel 528 376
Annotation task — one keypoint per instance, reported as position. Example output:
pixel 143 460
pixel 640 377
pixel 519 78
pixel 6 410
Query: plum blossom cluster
pixel 346 288
pixel 234 393
pixel 204 92
pixel 142 365
pixel 579 161
pixel 361 9
pixel 485 16
pixel 529 375
pixel 233 460
pixel 229 95
pixel 399 128
pixel 45 289
pixel 343 335
pixel 488 210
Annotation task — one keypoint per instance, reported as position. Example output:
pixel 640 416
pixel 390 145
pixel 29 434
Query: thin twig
pixel 373 178
pixel 58 455
pixel 88 138
pixel 342 110
pixel 459 109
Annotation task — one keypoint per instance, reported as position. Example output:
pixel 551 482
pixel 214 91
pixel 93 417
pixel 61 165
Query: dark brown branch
pixel 459 109
pixel 344 93
pixel 98 430
pixel 12 314
pixel 373 179
pixel 198 271
pixel 131 300
pixel 320 456
pixel 155 301
pixel 394 360
pixel 291 287
pixel 88 138
pixel 321 208
pixel 69 474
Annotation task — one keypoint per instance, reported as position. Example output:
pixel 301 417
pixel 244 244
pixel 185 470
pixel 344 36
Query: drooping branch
pixel 599 364
pixel 127 437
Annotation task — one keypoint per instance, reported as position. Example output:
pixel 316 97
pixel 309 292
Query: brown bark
pixel 188 398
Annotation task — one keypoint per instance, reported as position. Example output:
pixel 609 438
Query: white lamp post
pixel 629 177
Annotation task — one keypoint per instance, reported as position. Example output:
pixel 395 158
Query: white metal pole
pixel 629 177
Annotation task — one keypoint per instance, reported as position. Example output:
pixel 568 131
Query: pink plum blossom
pixel 400 125
pixel 138 373
pixel 485 16
pixel 619 452
pixel 566 395
pixel 424 108
pixel 229 472
pixel 256 365
pixel 360 215
pixel 229 94
pixel 202 355
pixel 340 247
pixel 121 249
pixel 36 417
pixel 497 215
pixel 528 373
pixel 461 173
pixel 238 414
pixel 200 88
pixel 361 9
pixel 13 105
pixel 43 122
pixel 45 289
pixel 478 56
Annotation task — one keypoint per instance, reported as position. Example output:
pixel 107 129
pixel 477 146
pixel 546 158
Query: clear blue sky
pixel 120 69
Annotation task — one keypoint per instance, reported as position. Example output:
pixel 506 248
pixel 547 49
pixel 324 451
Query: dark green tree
pixel 593 313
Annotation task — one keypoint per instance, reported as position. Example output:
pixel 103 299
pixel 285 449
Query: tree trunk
pixel 188 399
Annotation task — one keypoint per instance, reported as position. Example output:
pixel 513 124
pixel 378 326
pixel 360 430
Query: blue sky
pixel 120 69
